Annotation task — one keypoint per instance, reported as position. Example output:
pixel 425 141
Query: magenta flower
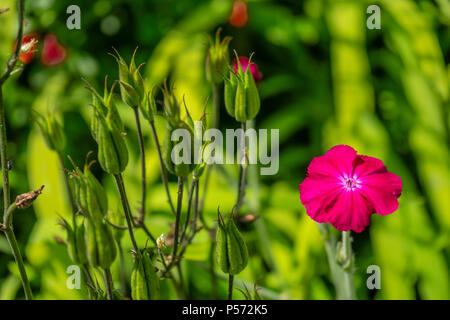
pixel 344 189
pixel 257 75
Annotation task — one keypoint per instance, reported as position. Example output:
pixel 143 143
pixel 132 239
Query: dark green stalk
pixel 188 214
pixel 143 173
pixel 126 208
pixel 123 275
pixel 161 164
pixel 230 286
pixel 177 219
pixel 108 283
pixel 177 225
pixel 215 125
pixel 242 172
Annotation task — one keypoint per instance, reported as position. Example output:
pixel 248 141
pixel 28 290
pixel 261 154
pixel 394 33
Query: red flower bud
pixel 28 48
pixel 53 53
pixel 239 14
pixel 257 75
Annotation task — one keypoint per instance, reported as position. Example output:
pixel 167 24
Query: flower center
pixel 350 183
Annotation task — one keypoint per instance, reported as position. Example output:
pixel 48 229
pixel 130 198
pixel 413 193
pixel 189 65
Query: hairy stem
pixel 143 172
pixel 126 209
pixel 163 170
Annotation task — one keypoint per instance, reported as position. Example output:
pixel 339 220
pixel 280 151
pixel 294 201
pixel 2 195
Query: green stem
pixel 19 261
pixel 4 154
pixel 177 226
pixel 108 283
pixel 188 214
pixel 242 172
pixel 126 208
pixel 123 276
pixel 89 281
pixel 215 125
pixel 230 287
pixel 161 164
pixel 347 265
pixel 143 172
pixel 343 282
pixel 177 219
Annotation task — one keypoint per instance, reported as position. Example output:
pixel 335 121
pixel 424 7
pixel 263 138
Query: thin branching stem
pixel 163 169
pixel 126 208
pixel 108 283
pixel 143 172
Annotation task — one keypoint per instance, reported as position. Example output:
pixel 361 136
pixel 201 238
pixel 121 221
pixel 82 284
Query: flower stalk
pixel 126 209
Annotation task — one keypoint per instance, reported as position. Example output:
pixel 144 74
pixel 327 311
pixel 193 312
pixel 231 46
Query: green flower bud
pixel 218 59
pixel 148 108
pixel 51 130
pixel 144 279
pixel 76 244
pixel 175 166
pixel 241 94
pixel 101 247
pixel 105 106
pixel 112 150
pixel 90 195
pixel 231 250
pixel 171 106
pixel 132 86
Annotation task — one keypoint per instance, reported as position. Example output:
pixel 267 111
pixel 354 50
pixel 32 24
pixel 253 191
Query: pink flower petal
pixel 364 165
pixel 342 157
pixel 382 190
pixel 350 211
pixel 316 193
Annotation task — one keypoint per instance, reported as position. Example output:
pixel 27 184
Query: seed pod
pixel 217 59
pixel 104 106
pixel 112 150
pixel 231 250
pixel 97 200
pixel 148 108
pixel 90 195
pixel 144 280
pixel 101 247
pixel 51 130
pixel 173 166
pixel 230 94
pixel 131 83
pixel 76 244
pixel 241 94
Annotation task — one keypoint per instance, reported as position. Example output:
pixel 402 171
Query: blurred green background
pixel 327 80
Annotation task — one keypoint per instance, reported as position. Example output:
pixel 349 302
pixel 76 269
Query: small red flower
pixel 344 189
pixel 28 48
pixel 257 75
pixel 53 53
pixel 239 14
